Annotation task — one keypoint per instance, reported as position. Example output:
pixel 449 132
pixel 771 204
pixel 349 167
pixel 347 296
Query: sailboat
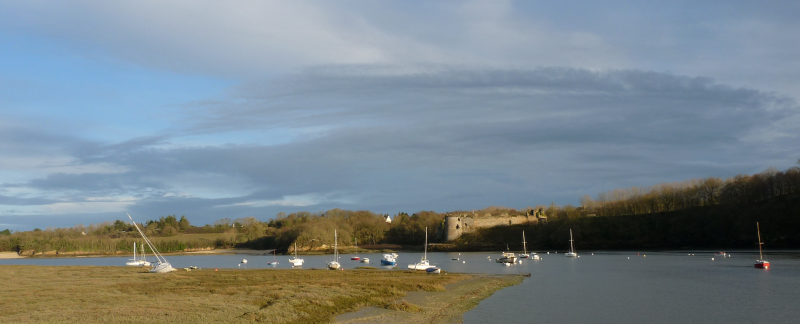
pixel 355 257
pixel 133 262
pixel 295 261
pixel 274 260
pixel 524 254
pixel 423 264
pixel 334 265
pixel 162 266
pixel 760 263
pixel 571 252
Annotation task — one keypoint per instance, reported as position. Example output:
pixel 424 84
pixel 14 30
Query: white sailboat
pixel 295 261
pixel 423 264
pixel 133 262
pixel 162 266
pixel 355 257
pixel 571 252
pixel 334 265
pixel 524 254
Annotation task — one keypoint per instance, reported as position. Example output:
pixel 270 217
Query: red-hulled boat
pixel 760 263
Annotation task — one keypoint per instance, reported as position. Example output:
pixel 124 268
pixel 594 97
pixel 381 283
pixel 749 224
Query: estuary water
pixel 606 287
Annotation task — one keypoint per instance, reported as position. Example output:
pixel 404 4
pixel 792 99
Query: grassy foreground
pixel 86 294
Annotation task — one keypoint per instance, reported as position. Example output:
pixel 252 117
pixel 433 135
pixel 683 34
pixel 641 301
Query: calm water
pixel 599 288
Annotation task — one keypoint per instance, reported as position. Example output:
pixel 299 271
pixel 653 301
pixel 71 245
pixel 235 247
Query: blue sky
pixel 249 108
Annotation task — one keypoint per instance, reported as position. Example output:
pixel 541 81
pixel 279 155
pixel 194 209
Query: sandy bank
pixel 10 255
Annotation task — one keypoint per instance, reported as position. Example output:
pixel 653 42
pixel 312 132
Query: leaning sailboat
pixel 161 265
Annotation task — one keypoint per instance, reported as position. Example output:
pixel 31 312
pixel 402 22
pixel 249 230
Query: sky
pixel 234 109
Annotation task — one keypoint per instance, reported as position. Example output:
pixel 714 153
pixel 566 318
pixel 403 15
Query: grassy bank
pixel 40 294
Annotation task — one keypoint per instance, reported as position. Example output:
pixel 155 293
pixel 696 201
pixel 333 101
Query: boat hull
pixel 364 260
pixel 334 265
pixel 433 270
pixel 391 263
pixel 571 254
pixel 762 265
pixel 355 258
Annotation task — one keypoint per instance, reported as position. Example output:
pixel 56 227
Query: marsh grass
pixel 61 294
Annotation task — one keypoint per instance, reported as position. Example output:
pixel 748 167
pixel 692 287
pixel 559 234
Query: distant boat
pixel 162 266
pixel 433 270
pixel 244 261
pixel 422 264
pixel 355 257
pixel 334 265
pixel 274 259
pixel 389 259
pixel 760 263
pixel 571 252
pixel 524 254
pixel 295 261
pixel 720 254
pixel 364 260
pixel 508 257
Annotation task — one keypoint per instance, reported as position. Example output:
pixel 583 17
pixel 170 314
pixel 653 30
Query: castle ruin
pixel 457 224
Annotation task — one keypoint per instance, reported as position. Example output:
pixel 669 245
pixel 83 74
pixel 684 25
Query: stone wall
pixel 457 225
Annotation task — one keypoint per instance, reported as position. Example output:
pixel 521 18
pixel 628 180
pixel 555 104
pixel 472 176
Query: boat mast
pixel 134 252
pixel 571 247
pixel 335 251
pixel 524 246
pixel 760 256
pixel 425 257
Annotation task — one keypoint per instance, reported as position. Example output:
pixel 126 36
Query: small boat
pixel 389 259
pixel 720 254
pixel 508 257
pixel 295 261
pixel 760 263
pixel 507 264
pixel 162 266
pixel 571 252
pixel 355 257
pixel 244 260
pixel 433 270
pixel 274 259
pixel 334 265
pixel 423 264
pixel 364 260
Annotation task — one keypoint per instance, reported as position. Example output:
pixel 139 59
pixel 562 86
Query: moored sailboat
pixel 295 261
pixel 571 252
pixel 423 264
pixel 355 257
pixel 760 263
pixel 274 261
pixel 334 265
pixel 524 254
